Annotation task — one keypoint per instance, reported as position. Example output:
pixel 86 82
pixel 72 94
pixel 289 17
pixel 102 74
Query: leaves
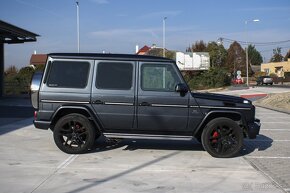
pixel 277 56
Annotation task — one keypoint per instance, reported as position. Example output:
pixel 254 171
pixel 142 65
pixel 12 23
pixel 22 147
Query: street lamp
pixel 164 36
pixel 247 54
pixel 78 26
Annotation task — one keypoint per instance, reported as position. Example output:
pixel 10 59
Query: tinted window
pixel 114 75
pixel 156 77
pixel 68 74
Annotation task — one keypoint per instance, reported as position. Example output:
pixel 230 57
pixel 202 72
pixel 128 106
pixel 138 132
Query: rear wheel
pixel 222 138
pixel 74 134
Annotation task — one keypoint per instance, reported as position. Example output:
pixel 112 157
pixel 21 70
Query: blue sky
pixel 116 26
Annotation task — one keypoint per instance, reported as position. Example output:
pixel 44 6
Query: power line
pixel 255 43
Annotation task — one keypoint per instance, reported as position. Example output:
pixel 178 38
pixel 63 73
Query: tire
pixel 74 134
pixel 222 138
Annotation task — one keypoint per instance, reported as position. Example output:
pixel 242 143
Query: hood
pixel 218 97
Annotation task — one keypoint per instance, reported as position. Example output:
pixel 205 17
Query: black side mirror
pixel 181 88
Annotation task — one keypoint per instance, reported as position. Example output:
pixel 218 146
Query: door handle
pixel 144 104
pixel 98 102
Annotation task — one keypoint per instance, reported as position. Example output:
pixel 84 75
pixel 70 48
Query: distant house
pixel 143 50
pixel 38 59
pixel 281 69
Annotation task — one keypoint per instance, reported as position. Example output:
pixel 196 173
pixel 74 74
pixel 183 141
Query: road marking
pixel 268 157
pixel 275 121
pixel 275 129
pixel 66 162
pixel 268 140
pixel 62 165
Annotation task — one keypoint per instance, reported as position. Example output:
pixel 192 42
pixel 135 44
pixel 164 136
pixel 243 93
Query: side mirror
pixel 181 88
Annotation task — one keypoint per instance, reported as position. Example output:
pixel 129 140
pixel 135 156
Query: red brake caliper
pixel 215 135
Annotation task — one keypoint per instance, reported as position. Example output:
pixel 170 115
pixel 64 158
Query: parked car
pixel 83 96
pixel 264 80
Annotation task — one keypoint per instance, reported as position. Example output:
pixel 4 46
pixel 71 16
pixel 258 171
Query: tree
pixel 255 57
pixel 236 59
pixel 217 53
pixel 11 71
pixel 277 56
pixel 287 56
pixel 199 46
pixel 159 52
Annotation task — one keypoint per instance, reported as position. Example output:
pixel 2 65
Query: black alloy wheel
pixel 74 134
pixel 222 138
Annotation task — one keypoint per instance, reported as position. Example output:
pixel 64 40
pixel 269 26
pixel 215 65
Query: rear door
pixel 113 94
pixel 160 108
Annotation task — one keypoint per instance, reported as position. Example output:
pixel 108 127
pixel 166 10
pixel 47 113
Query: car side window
pixel 114 75
pixel 159 77
pixel 68 74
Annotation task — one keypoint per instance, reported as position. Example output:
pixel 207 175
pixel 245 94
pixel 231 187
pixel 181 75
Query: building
pixel 192 61
pixel 281 69
pixel 143 50
pixel 38 59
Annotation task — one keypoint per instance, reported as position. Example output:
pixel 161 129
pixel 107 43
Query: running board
pixel 147 136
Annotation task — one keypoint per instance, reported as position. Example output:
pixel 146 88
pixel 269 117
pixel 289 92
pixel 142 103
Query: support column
pixel 1 69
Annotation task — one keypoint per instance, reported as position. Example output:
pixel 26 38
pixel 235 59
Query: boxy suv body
pixel 82 96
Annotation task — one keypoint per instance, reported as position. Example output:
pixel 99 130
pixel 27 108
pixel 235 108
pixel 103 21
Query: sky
pixel 117 26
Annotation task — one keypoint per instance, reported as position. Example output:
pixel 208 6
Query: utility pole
pixel 78 26
pixel 164 36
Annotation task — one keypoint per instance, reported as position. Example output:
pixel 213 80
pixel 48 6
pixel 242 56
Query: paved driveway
pixel 30 162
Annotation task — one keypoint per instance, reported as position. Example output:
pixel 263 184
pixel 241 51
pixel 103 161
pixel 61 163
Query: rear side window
pixel 114 75
pixel 68 74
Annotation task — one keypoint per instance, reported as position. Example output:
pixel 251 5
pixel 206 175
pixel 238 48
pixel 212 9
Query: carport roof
pixel 12 34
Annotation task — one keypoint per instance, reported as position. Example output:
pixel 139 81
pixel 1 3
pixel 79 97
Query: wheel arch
pixel 234 115
pixel 65 110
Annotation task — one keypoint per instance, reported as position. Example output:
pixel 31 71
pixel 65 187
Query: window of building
pixel 68 74
pixel 114 75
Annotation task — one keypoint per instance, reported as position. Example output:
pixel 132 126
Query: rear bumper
pixel 254 129
pixel 42 124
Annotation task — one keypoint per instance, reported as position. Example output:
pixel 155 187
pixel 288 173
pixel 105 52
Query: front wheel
pixel 74 134
pixel 222 138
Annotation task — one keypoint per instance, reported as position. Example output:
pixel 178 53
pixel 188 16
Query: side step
pixel 147 136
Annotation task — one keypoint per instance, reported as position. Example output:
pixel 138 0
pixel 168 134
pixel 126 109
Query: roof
pixel 108 56
pixel 144 49
pixel 12 34
pixel 37 59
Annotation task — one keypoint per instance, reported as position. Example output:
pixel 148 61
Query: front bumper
pixel 254 129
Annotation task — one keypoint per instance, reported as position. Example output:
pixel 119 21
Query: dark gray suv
pixel 83 96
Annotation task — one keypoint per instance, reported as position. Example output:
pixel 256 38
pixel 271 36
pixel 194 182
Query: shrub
pixel 213 78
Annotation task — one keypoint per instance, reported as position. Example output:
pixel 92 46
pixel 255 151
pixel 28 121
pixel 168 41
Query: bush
pixel 213 78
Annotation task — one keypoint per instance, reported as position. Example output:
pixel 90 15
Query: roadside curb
pixel 272 108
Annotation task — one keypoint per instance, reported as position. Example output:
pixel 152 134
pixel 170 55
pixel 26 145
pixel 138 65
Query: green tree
pixel 159 52
pixel 277 56
pixel 25 74
pixel 213 78
pixel 11 71
pixel 217 53
pixel 198 46
pixel 236 59
pixel 287 56
pixel 255 57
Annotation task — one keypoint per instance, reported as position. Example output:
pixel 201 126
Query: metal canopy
pixel 13 35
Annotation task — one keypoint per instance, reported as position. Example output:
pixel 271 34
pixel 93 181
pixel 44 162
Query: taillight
pixel 35 115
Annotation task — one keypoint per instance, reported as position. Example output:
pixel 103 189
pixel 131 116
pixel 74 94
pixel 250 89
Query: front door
pixel 161 109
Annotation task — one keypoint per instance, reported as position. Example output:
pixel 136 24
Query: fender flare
pixel 92 115
pixel 205 119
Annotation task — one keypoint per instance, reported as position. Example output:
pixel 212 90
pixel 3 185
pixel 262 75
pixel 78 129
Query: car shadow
pixel 154 144
pixel 261 143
